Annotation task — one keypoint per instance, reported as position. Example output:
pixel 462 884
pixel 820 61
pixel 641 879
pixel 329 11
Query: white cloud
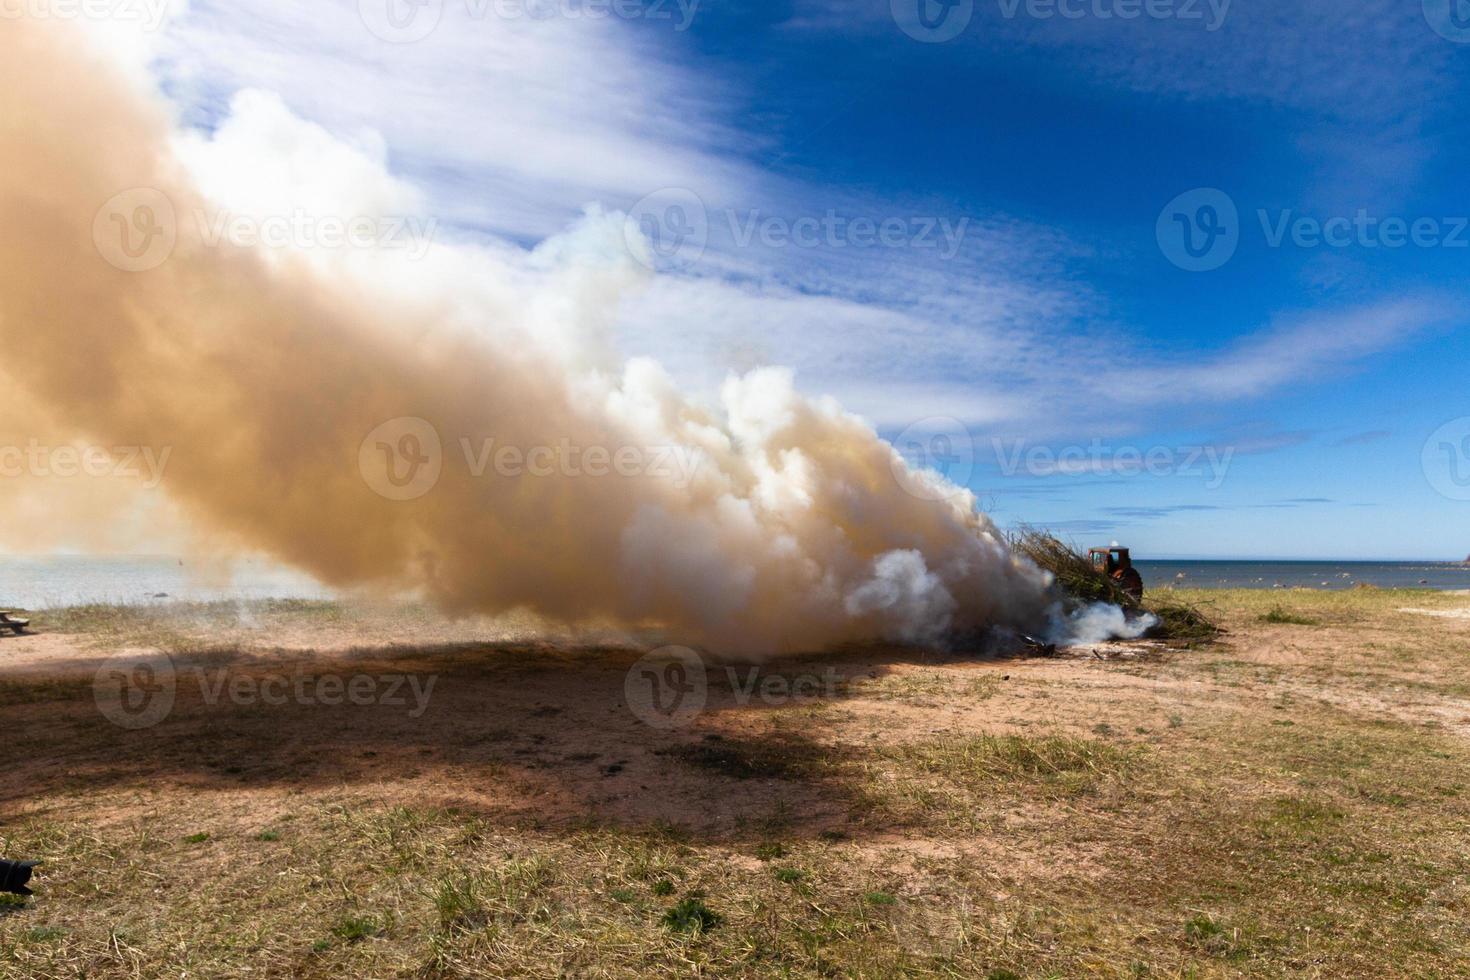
pixel 1293 349
pixel 1371 58
pixel 511 128
pixel 511 124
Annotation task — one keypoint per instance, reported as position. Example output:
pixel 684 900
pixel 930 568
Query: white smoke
pixel 264 369
pixel 904 590
pixel 1097 623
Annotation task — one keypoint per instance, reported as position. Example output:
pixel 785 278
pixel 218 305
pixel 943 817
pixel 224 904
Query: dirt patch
pixel 1442 613
pixel 475 803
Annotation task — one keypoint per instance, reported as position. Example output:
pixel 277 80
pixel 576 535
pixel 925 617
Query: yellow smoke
pixel 285 395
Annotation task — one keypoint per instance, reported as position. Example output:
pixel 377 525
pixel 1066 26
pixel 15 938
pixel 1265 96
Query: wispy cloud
pixel 511 124
pixel 1364 438
pixel 1295 347
pixel 1169 510
pixel 506 130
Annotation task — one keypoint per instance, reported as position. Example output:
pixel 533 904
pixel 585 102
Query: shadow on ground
pixel 518 732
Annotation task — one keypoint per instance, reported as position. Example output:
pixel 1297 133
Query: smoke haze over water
pixel 264 371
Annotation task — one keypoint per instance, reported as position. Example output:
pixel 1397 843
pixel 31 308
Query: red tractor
pixel 1116 564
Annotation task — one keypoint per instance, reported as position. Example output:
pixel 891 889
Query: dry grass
pixel 1072 569
pixel 1181 622
pixel 1288 802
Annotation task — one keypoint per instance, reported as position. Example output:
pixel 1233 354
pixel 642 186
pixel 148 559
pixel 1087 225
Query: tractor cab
pixel 1117 564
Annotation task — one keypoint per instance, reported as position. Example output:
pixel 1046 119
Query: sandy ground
pixel 1445 613
pixel 455 714
pixel 280 715
pixel 514 729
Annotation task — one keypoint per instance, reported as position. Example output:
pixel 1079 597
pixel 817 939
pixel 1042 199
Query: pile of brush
pixel 1080 582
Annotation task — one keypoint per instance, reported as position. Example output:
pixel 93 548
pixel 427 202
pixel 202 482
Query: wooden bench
pixel 15 625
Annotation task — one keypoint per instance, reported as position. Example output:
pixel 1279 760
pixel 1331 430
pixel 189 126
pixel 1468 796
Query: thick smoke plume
pixel 264 373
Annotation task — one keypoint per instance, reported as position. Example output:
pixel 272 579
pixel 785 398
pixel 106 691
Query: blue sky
pixel 1025 305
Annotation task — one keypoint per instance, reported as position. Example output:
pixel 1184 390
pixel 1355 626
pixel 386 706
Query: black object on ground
pixel 14 875
pixel 1040 648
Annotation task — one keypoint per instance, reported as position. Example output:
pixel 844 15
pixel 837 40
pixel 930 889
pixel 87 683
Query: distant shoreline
pixel 1439 576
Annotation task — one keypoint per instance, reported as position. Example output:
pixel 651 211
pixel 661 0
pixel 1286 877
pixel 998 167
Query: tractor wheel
pixel 1131 582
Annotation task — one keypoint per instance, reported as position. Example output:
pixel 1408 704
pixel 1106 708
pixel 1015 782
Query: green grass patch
pixel 457 904
pixel 1074 764
pixel 691 916
pixel 356 928
pixel 1283 616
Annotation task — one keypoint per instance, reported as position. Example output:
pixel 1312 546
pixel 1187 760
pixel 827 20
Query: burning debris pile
pixel 313 405
pixel 1095 607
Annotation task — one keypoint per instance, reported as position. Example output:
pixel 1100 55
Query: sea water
pixel 52 581
pixel 41 583
pixel 1304 574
